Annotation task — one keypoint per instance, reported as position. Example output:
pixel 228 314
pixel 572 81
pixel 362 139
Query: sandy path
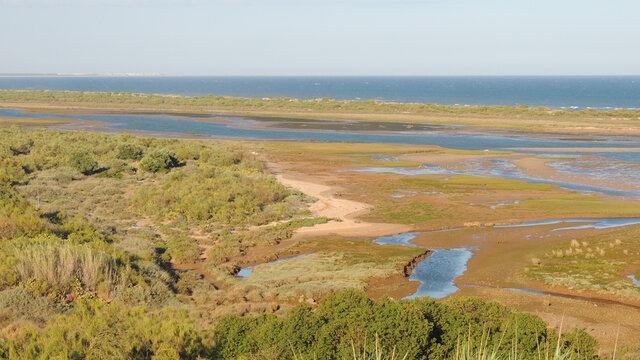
pixel 329 205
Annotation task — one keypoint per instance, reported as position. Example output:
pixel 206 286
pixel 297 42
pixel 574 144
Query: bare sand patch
pixel 328 205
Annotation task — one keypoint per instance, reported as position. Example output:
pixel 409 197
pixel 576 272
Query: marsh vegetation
pixel 127 247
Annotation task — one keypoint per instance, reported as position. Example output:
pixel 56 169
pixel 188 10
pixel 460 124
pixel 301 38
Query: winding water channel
pixel 503 171
pixel 437 272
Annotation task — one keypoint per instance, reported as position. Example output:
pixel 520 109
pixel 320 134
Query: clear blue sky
pixel 314 37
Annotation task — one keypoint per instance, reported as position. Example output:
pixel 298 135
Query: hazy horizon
pixel 310 76
pixel 321 38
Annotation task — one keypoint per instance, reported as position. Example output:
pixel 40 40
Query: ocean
pixel 575 92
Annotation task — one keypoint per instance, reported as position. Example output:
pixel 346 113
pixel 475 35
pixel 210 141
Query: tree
pixel 83 161
pixel 159 161
pixel 129 152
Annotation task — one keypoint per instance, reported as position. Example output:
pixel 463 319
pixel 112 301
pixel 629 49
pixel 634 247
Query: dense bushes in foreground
pixel 419 329
pixel 95 330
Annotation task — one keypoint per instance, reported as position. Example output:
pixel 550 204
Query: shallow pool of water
pixel 398 239
pixel 593 223
pixel 606 170
pixel 495 172
pixel 438 271
pixel 633 278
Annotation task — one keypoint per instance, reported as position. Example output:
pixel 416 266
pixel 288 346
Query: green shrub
pixel 187 282
pixel 116 169
pixel 83 161
pixel 17 216
pixel 159 161
pixel 421 329
pixel 129 152
pixel 584 343
pixel 11 171
pixel 95 330
pixel 18 303
pixel 183 250
pixel 226 197
pixel 22 146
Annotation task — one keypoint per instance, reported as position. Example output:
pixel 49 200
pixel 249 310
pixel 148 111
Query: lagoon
pixel 262 128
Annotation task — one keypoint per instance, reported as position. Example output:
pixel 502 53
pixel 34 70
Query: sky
pixel 314 37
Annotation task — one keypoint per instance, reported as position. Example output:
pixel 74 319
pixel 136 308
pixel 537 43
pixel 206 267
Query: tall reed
pixel 63 264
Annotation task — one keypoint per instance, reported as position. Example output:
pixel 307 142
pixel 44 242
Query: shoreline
pixel 522 118
pixel 392 98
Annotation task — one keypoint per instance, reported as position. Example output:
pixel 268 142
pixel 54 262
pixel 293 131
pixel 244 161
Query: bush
pixel 17 217
pixel 226 197
pixel 22 148
pixel 159 161
pixel 11 171
pixel 83 161
pixel 18 303
pixel 129 152
pixel 581 340
pixel 421 329
pixel 98 331
pixel 116 169
pixel 183 250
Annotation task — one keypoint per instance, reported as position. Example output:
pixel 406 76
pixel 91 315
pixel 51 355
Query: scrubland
pixel 115 246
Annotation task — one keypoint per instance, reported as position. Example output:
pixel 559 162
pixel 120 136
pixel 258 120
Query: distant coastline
pixel 521 117
pixel 67 75
pixel 554 92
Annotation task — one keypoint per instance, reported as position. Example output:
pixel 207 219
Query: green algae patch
pixel 579 204
pixel 465 183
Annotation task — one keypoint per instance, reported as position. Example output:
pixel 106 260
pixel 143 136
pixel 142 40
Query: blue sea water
pixel 576 92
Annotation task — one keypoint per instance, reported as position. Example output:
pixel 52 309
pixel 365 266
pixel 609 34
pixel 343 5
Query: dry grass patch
pixel 598 262
pixel 335 263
